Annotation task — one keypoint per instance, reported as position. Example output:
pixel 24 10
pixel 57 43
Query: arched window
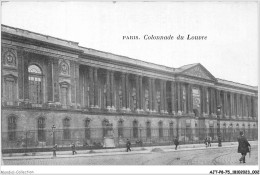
pixel 12 128
pixel 160 129
pixel 148 129
pixel 66 129
pixel 35 84
pixel 120 128
pixel 87 129
pixel 41 131
pixel 135 129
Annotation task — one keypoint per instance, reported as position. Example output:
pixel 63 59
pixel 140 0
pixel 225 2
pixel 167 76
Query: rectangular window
pixel 64 96
pixel 11 128
pixel 9 92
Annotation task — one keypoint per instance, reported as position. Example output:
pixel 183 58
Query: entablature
pixel 40 50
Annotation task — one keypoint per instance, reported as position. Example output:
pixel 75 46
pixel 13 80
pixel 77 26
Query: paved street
pixel 218 156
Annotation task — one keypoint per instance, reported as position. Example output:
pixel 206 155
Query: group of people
pixel 207 142
pixel 243 146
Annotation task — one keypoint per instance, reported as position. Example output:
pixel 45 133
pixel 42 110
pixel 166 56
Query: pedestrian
pixel 209 141
pixel 128 145
pixel 176 142
pixel 206 142
pixel 54 149
pixel 73 148
pixel 243 147
pixel 219 141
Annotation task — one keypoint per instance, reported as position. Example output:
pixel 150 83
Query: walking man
pixel 128 145
pixel 243 146
pixel 209 141
pixel 73 148
pixel 176 142
pixel 206 142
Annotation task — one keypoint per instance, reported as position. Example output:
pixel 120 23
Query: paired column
pixel 127 91
pixel 50 80
pixel 189 99
pixel 150 94
pixel 78 99
pixel 137 92
pixel 165 97
pixel 154 93
pixel 225 104
pixel 26 80
pixel 123 91
pixel 203 99
pixel 96 87
pixel 238 105
pixel 179 97
pixel 231 104
pixel 91 87
pixel 249 106
pixel 108 91
pixel 86 89
pixel 161 96
pixel 112 89
pixel 141 93
pixel 173 97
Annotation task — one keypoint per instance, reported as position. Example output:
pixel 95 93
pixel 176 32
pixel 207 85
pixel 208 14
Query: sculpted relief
pixel 197 72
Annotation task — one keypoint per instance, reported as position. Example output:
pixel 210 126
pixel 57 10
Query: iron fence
pixel 89 138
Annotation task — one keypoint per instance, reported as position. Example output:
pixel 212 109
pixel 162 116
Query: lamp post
pixel 53 134
pixel 218 123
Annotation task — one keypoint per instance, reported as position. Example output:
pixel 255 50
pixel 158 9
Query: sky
pixel 230 51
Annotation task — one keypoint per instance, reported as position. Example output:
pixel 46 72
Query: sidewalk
pixel 118 151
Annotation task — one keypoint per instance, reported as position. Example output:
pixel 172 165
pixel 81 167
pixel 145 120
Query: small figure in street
pixel 219 141
pixel 176 142
pixel 243 147
pixel 128 145
pixel 206 142
pixel 73 148
pixel 54 149
pixel 209 141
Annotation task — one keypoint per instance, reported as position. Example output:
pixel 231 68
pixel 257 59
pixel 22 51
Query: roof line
pixel 127 57
pixel 236 82
pixel 16 28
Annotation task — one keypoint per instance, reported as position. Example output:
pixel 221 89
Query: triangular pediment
pixel 199 71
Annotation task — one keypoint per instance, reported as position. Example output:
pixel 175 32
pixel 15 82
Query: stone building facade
pixel 48 81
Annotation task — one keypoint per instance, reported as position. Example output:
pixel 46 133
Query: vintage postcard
pixel 148 87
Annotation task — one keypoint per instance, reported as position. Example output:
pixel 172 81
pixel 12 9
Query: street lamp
pixel 218 123
pixel 53 134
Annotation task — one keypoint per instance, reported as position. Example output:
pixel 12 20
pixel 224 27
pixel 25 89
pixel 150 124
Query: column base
pixel 179 112
pixel 205 115
pixel 233 117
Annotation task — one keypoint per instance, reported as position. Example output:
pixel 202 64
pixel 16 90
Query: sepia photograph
pixel 129 87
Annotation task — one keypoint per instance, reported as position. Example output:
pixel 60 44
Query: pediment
pixel 200 72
